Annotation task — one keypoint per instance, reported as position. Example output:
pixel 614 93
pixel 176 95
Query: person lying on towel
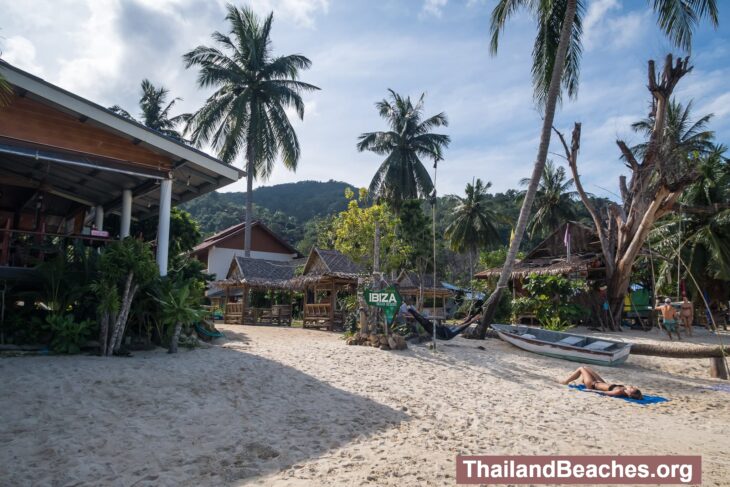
pixel 595 382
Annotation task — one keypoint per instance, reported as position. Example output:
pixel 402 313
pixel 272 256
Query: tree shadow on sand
pixel 204 417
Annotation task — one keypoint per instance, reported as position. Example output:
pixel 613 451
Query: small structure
pixel 420 291
pixel 572 250
pixel 246 275
pixel 219 250
pixel 327 273
pixel 581 257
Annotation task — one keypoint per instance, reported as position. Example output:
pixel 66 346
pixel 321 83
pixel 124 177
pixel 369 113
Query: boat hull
pixel 575 354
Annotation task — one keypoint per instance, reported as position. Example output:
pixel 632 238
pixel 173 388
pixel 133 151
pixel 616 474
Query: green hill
pixel 286 208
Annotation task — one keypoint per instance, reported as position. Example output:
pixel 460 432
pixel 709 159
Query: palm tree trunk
pixel 376 248
pixel 551 103
pixel 103 333
pixel 175 338
pixel 250 157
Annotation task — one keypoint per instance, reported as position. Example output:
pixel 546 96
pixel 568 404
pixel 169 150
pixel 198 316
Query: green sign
pixel 388 299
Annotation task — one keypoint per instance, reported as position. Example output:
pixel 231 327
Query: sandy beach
pixel 278 406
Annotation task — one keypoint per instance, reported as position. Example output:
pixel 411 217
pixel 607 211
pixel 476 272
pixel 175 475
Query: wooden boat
pixel 566 346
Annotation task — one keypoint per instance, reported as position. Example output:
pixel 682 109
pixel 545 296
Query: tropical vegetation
pixel 556 65
pixel 155 111
pixel 247 112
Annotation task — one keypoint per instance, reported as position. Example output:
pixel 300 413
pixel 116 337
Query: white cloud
pixel 434 7
pixel 21 52
pixel 96 62
pixel 603 30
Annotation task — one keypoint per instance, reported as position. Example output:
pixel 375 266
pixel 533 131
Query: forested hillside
pixel 286 208
pixel 301 213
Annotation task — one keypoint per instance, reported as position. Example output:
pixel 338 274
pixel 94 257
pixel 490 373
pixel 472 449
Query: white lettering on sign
pixel 385 298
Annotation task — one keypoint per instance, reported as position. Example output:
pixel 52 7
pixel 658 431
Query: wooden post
pixel 333 303
pixel 225 304
pixel 718 368
pixel 244 303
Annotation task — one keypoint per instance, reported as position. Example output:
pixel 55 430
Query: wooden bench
pixel 317 315
pixel 233 313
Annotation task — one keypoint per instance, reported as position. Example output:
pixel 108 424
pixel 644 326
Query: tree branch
pixel 628 155
pixel 572 155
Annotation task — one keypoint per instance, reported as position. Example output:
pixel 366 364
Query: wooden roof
pixel 323 262
pixel 550 255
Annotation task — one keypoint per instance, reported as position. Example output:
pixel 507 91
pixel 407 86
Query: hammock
pixel 442 332
pixel 212 334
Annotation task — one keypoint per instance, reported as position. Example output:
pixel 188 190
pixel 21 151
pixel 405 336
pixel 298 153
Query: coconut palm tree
pixel 402 175
pixel 701 237
pixel 555 63
pixel 156 111
pixel 473 226
pixel 554 200
pixel 246 114
pixel 688 138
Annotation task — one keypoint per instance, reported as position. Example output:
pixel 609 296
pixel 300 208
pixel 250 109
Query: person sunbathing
pixel 595 382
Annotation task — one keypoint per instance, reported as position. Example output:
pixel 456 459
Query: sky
pixel 102 49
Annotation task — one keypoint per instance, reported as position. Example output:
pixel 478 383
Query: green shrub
pixel 68 334
pixel 550 299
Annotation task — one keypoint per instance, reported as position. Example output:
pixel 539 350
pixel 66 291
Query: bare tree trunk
pixel 175 338
pixel 118 322
pixel 550 105
pixel 126 308
pixel 250 160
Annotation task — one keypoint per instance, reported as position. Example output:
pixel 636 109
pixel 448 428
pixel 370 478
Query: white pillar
pixel 163 225
pixel 99 217
pixel 126 213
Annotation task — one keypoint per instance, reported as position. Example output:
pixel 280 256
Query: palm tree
pixel 473 226
pixel 179 307
pixel 687 138
pixel 247 111
pixel 156 111
pixel 555 62
pixel 554 200
pixel 702 238
pixel 402 176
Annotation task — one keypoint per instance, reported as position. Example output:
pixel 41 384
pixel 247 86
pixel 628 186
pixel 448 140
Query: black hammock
pixel 442 332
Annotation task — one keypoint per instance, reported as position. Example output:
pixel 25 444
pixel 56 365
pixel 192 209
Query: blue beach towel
pixel 645 401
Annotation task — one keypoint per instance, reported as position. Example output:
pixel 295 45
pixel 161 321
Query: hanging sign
pixel 388 299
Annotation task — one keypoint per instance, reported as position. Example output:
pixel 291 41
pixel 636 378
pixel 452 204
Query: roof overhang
pixel 194 172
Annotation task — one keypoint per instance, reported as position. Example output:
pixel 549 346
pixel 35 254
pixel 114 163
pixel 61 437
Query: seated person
pixel 595 382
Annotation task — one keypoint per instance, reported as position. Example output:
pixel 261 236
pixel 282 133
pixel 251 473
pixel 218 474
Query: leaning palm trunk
pixel 175 338
pixel 117 331
pixel 550 105
pixel 104 333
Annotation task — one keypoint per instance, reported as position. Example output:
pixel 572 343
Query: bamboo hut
pixel 421 290
pixel 573 250
pixel 327 273
pixel 246 275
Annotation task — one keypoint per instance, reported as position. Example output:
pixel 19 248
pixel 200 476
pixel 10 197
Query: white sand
pixel 297 407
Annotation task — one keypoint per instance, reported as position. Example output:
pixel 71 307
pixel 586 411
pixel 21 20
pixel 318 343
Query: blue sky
pixel 101 49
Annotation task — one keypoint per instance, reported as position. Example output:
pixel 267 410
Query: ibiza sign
pixel 387 298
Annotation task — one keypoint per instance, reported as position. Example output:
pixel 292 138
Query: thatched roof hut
pixel 260 274
pixel 551 257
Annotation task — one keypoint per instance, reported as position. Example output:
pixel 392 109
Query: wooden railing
pixel 280 314
pixel 22 248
